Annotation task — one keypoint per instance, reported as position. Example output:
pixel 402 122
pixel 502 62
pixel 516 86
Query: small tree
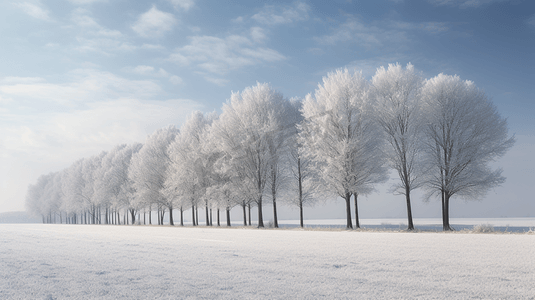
pixel 464 134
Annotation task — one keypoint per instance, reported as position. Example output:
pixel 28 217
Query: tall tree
pixel 464 134
pixel 148 169
pixel 189 172
pixel 245 131
pixel 397 91
pixel 302 188
pixel 341 136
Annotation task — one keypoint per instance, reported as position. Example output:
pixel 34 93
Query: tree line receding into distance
pixel 438 134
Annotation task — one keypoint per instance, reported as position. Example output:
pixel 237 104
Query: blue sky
pixel 80 76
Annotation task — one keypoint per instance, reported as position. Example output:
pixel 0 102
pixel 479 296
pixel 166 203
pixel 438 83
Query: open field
pixel 141 262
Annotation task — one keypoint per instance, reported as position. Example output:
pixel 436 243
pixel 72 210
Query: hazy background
pixel 78 77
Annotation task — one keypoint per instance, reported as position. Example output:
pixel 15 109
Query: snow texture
pixel 148 262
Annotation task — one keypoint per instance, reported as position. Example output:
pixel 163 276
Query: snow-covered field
pixel 147 262
pixel 427 224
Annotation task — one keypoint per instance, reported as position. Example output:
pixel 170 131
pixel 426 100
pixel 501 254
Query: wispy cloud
pixel 95 110
pixel 285 14
pixel 367 35
pixel 258 34
pixel 154 23
pixel 464 3
pixel 218 56
pixel 86 2
pixel 85 85
pixel 35 10
pixel 531 21
pixel 153 72
pixel 93 37
pixel 429 27
pixel 182 4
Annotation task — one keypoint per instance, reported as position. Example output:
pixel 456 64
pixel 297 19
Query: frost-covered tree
pixel 464 133
pixel 245 131
pixel 188 175
pixel 148 169
pixel 397 91
pixel 37 203
pixel 342 137
pixel 114 189
pixel 78 188
pixel 302 188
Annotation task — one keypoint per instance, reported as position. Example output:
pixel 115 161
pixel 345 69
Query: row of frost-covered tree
pixel 437 134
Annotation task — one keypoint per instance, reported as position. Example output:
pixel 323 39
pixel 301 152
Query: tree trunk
pixel 181 216
pixel 196 215
pixel 210 217
pixel 301 215
pixel 218 224
pixel 409 210
pixel 133 215
pixel 193 215
pixel 228 216
pixel 349 224
pixel 244 214
pixel 260 218
pixel 275 221
pixel 300 181
pixel 446 214
pixel 249 214
pixel 171 222
pixel 207 216
pixel 357 223
pixel 162 215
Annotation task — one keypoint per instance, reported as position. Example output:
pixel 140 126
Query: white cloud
pixel 96 38
pixel 217 81
pixel 102 45
pixel 85 86
pixel 35 10
pixel 175 80
pixel 151 71
pixel 237 20
pixel 19 80
pixel 221 55
pixel 152 47
pixel 182 4
pixel 46 126
pixel 258 34
pixel 143 70
pixel 276 15
pixel 154 23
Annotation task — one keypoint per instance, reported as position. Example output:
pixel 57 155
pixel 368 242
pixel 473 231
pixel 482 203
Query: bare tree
pixel 464 134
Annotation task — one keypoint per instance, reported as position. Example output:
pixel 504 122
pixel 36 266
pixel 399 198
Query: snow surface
pixel 146 262
pixel 500 224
